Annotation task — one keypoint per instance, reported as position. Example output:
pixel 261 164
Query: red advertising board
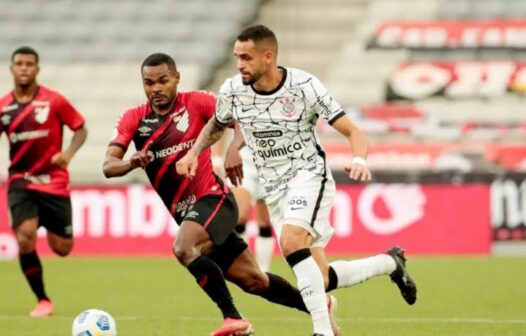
pixel 451 34
pixel 426 219
pixel 467 79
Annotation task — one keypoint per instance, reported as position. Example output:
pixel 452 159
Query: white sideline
pixel 344 319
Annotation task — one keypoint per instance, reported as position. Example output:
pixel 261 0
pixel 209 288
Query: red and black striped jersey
pixel 171 136
pixel 34 130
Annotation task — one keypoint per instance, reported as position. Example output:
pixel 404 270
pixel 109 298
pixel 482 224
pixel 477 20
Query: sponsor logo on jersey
pixel 9 108
pixel 29 135
pixel 279 151
pixel 37 179
pixel 267 134
pixel 6 119
pixel 298 203
pixel 144 131
pixel 150 121
pixel 288 108
pixel 184 205
pixel 174 149
pixel 192 214
pixel 42 113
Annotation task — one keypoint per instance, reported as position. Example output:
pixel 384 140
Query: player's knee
pixel 290 245
pixel 255 283
pixel 63 249
pixel 184 254
pixel 26 240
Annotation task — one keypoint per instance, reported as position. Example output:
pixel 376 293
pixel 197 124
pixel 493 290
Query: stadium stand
pixel 91 51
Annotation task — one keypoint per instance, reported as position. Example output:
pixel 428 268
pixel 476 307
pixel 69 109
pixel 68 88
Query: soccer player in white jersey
pixel 276 109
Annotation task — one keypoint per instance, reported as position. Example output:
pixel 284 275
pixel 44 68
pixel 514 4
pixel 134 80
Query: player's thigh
pixel 213 215
pixel 55 214
pixel 307 205
pixel 262 215
pixel 243 200
pixel 23 213
pixel 62 246
pixel 192 237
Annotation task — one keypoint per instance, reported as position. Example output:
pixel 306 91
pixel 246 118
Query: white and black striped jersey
pixel 278 126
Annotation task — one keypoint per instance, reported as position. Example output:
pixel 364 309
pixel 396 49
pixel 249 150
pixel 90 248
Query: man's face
pixel 160 84
pixel 24 68
pixel 252 62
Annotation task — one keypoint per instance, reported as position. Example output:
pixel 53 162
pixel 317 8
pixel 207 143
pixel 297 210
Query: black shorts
pixel 218 214
pixel 53 212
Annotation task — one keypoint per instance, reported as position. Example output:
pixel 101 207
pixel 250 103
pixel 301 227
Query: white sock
pixel 264 250
pixel 310 284
pixel 354 272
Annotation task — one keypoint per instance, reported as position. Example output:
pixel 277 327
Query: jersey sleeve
pixel 207 104
pixel 324 104
pixel 68 114
pixel 125 129
pixel 223 109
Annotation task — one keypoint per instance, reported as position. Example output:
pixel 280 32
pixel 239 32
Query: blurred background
pixel 438 86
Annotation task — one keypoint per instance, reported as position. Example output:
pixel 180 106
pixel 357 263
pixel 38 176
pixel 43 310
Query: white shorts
pixel 250 175
pixel 306 204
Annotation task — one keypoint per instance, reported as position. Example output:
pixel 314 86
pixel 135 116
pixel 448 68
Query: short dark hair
pixel 159 59
pixel 258 33
pixel 25 50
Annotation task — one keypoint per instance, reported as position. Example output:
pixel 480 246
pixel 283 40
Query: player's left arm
pixel 329 109
pixel 76 122
pixel 210 134
pixel 63 158
pixel 357 169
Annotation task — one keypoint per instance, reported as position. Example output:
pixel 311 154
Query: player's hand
pixel 61 159
pixel 187 166
pixel 234 166
pixel 358 172
pixel 143 157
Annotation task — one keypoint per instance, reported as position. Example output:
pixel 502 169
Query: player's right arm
pixel 115 166
pixel 233 160
pixel 114 163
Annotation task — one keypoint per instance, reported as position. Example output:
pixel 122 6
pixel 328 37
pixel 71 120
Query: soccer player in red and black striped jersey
pixel 33 116
pixel 163 130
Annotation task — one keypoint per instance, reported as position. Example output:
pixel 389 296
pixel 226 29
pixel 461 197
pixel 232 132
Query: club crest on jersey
pixel 42 113
pixel 6 119
pixel 288 109
pixel 183 121
pixel 144 131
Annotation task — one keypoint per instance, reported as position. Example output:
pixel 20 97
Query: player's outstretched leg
pixel 190 246
pixel 349 273
pixel 26 235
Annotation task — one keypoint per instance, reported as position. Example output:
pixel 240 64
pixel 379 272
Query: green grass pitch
pixel 458 296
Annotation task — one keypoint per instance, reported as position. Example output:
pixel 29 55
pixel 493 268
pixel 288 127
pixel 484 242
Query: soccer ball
pixel 94 322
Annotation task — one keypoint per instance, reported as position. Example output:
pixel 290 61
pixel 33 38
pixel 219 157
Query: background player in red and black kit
pixel 163 130
pixel 38 186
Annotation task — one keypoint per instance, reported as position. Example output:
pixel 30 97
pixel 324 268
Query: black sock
pixel 211 279
pixel 265 232
pixel 240 228
pixel 32 269
pixel 280 291
pixel 333 280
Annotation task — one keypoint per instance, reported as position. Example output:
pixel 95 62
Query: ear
pixel 269 57
pixel 11 68
pixel 177 77
pixel 38 70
